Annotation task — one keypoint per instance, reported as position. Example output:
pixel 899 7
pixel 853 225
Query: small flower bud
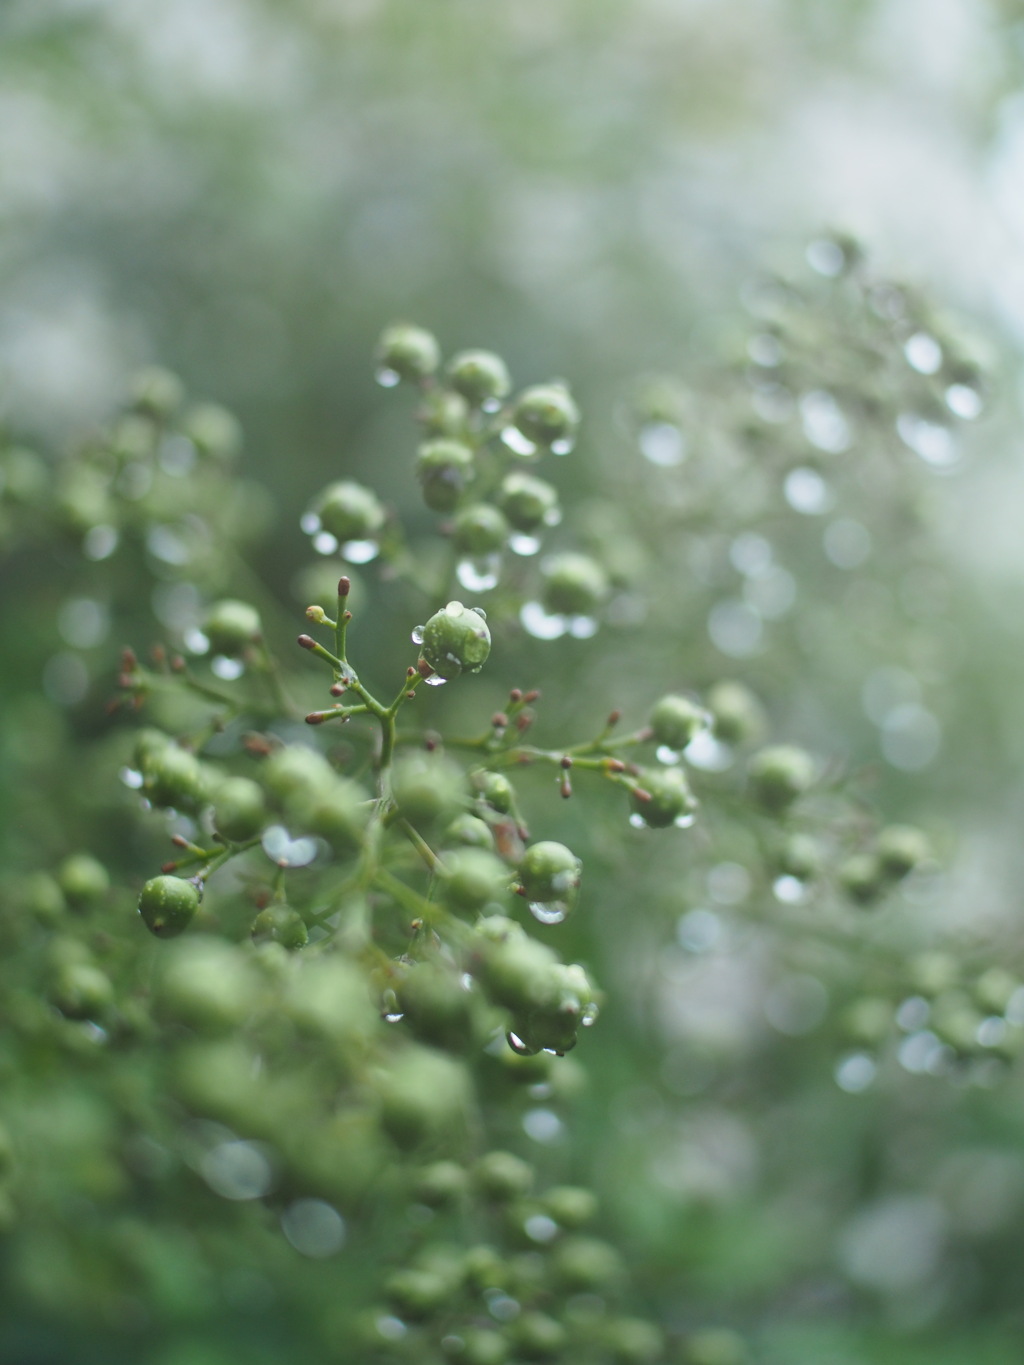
pixel 409 352
pixel 574 585
pixel 444 468
pixel 480 376
pixel 675 720
pixel 168 905
pixel 81 991
pixel 231 626
pixel 348 511
pixel 455 639
pixel 779 774
pixel 546 414
pixel 423 1094
pixel 479 530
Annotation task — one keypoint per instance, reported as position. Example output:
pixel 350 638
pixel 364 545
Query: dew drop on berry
pixel 226 669
pixel 479 574
pixel 360 551
pixel 324 543
pixel 417 634
pixel 521 544
pixel 517 442
pixel 386 377
pixel 310 523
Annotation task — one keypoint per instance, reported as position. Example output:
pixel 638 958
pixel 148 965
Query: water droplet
pixel 824 424
pixel 281 848
pixel 684 821
pixel 540 1228
pixel 590 1015
pixel 395 1017
pixel 360 551
pixel 386 377
pixel 166 545
pixel 417 634
pixel 454 609
pixel 435 680
pixel 479 611
pixel 932 441
pixel 709 754
pixel 666 755
pixel 314 1228
pixel 196 641
pixel 663 444
pixel 855 1072
pixel 100 542
pixel 310 523
pixel 490 405
pixel 789 890
pixel 807 492
pixel 564 446
pixel 521 544
pixel 517 442
pixel 826 257
pixel 324 543
pixel 391 1329
pixel 131 778
pixel 582 627
pixel 540 624
pixel 226 669
pixel 517 1045
pixel 549 912
pixel 237 1170
pixel 963 401
pixel 923 352
pixel 765 350
pixel 480 574
pixel 553 516
pixel 637 820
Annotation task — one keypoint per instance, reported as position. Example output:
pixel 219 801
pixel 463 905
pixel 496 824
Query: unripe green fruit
pixel 675 720
pixel 548 871
pixel 670 797
pixel 483 1268
pixel 231 627
pixel 436 1005
pixel 585 1263
pixel 82 879
pixel 471 831
pixel 867 1021
pixel 168 905
pixel 174 777
pixel 427 787
pixel 410 352
pixel 455 640
pixel 546 414
pixel 955 1021
pixel 932 973
pixel 513 969
pixel 538 1336
pixel 81 991
pixel 213 430
pixel 444 468
pixel 574 585
pixel 481 1346
pixel 553 1024
pixel 473 878
pixel 495 789
pixel 994 989
pixel 423 1094
pixel 336 811
pixel 44 898
pixel 208 984
pixel 716 1346
pixel 280 924
pixel 239 809
pixel 779 774
pixel 441 1184
pixel 157 391
pixel 736 712
pixel 444 413
pixel 632 1341
pixel 418 1294
pixel 480 376
pixel 148 743
pixel 861 877
pixel 901 848
pixel 348 511
pixel 479 530
pixel 503 1176
pixel 527 502
pixel 297 771
pixel 329 997
pixel 800 856
pixel 570 1205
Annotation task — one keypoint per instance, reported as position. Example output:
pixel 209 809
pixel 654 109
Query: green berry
pixel 43 897
pixel 423 1094
pixel 932 973
pixel 482 1346
pixel 862 878
pixel 207 984
pixel 441 1184
pixel 553 1023
pixel 514 970
pixel 409 352
pixel 585 1263
pixel 632 1341
pixel 675 720
pixel 868 1020
pixel 213 430
pixel 81 991
pixel 280 924
pixel 570 1205
pixel 444 468
pixel 443 413
pixel 901 848
pixel 779 774
pixel 427 787
pixel 168 905
pixel 172 777
pixel 667 798
pixel 297 770
pixel 157 391
pixel 547 415
pixel 548 871
pixel 239 809
pixel 336 811
pixel 231 627
pixel 473 878
pixel 436 1005
pixel 455 640
pixel 348 511
pixel 995 988
pixel 480 530
pixel 528 502
pixel 800 856
pixel 736 713
pixel 418 1294
pixel 503 1176
pixel 480 376
pixel 471 831
pixel 538 1336
pixel 495 789
pixel 83 879
pixel 573 585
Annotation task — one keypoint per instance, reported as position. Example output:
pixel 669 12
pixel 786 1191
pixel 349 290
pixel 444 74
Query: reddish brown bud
pixel 168 867
pixel 532 695
pixel 128 659
pixel 344 585
pixel 337 689
pixel 410 695
pixel 566 761
pixel 177 664
pixel 613 718
pixel 179 841
pixel 499 720
pixel 158 654
pixel 565 786
pixel 515 695
pixel 346 616
pixel 424 669
pixel 524 720
pixel 615 765
pixel 125 680
pixel 315 718
pixel 306 641
pixel 642 795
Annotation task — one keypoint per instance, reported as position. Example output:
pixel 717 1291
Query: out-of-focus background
pixel 245 191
